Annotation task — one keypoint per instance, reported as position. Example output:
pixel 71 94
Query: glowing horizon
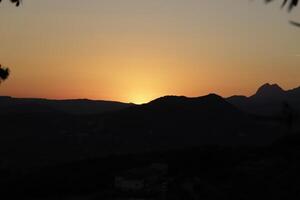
pixel 138 50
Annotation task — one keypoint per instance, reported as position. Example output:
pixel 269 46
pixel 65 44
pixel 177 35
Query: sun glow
pixel 136 51
pixel 141 97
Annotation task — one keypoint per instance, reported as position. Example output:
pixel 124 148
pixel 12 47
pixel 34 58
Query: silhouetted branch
pixel 295 23
pixel 17 2
pixel 291 3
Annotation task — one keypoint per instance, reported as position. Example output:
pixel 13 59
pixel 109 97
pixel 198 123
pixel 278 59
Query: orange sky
pixel 138 50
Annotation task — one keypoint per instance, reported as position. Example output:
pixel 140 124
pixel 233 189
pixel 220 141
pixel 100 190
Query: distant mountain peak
pixel 269 90
pixel 270 86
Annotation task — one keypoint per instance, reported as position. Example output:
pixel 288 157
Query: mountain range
pixel 70 106
pixel 270 99
pixel 70 130
pixel 178 122
pixel 51 145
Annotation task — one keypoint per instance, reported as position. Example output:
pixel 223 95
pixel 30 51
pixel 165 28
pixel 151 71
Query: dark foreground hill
pixel 178 122
pixel 208 144
pixel 166 123
pixel 73 106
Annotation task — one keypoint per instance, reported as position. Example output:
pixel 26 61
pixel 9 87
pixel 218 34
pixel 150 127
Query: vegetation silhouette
pixel 289 116
pixel 17 2
pixel 290 3
pixel 4 73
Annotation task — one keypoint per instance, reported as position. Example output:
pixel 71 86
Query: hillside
pixel 166 123
pixel 270 99
pixel 72 106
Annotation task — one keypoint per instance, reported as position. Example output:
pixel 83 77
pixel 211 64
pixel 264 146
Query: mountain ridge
pixel 268 100
pixel 69 106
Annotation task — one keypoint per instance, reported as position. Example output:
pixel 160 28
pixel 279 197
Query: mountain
pixel 166 123
pixel 49 148
pixel 73 106
pixel 269 92
pixel 268 100
pixel 294 94
pixel 172 122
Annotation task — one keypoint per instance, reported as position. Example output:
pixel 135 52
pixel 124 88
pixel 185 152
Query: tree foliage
pixel 290 3
pixel 4 73
pixel 16 2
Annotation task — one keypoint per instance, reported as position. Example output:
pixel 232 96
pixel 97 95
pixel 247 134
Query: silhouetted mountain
pixel 294 94
pixel 73 106
pixel 237 100
pixel 268 100
pixel 166 123
pixel 177 122
pixel 46 151
pixel 269 92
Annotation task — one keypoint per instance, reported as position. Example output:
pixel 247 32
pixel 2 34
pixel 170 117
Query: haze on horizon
pixel 137 50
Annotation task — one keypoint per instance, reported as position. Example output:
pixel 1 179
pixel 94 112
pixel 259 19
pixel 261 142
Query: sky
pixel 138 50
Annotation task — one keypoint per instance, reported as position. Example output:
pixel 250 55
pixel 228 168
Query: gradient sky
pixel 137 50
